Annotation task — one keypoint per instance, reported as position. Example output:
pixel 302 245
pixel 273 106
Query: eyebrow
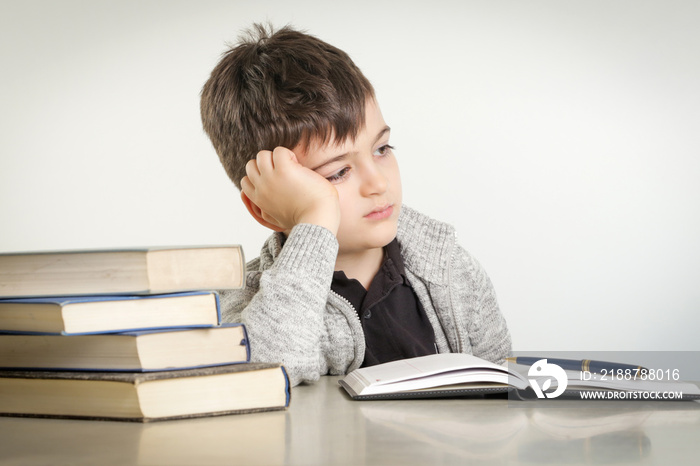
pixel 340 157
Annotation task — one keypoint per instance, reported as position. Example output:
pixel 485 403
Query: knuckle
pixel 282 153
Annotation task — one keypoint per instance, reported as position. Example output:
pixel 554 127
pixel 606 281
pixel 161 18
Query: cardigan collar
pixel 426 245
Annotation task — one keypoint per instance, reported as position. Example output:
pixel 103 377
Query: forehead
pixel 318 151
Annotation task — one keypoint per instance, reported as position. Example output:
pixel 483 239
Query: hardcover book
pixel 98 314
pixel 143 397
pixel 153 350
pixel 127 271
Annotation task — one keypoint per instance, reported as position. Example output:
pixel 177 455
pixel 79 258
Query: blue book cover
pixel 78 315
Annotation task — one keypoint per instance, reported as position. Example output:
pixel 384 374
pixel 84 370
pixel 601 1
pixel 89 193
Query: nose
pixel 373 179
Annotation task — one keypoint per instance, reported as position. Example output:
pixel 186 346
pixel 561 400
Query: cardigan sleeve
pixel 485 324
pixel 282 306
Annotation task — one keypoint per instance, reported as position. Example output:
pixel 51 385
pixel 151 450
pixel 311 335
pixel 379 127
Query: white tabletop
pixel 324 426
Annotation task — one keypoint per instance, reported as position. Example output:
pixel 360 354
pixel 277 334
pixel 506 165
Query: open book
pixel 443 374
pixel 457 374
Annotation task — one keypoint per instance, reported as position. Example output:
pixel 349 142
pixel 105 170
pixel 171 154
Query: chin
pixel 385 237
pixel 370 240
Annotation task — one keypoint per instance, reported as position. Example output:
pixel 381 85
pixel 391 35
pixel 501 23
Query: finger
pixel 271 222
pixel 268 218
pixel 247 187
pixel 261 217
pixel 251 206
pixel 282 155
pixel 264 161
pixel 251 169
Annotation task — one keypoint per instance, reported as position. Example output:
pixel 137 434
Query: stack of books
pixel 127 335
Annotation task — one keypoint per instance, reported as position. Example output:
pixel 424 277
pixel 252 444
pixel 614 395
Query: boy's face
pixel 366 175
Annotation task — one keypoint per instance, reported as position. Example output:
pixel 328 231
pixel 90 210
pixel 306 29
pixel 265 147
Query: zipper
pixel 354 313
pixel 458 326
pixel 357 363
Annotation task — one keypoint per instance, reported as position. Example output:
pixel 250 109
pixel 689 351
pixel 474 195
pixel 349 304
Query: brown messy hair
pixel 280 88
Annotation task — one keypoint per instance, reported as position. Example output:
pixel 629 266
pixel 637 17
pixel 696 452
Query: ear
pixel 257 213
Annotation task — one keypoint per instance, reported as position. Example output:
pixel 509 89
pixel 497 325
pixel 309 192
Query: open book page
pixel 430 371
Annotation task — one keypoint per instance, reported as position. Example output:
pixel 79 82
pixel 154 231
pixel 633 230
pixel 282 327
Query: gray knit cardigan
pixel 294 317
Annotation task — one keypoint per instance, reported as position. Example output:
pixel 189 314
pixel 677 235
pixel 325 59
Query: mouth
pixel 381 212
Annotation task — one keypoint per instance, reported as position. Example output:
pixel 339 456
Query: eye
pixel 339 176
pixel 383 150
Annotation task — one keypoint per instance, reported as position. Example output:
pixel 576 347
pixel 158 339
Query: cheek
pixel 347 203
pixel 395 176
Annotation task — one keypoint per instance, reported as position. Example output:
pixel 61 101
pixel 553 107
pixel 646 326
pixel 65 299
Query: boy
pixel 351 276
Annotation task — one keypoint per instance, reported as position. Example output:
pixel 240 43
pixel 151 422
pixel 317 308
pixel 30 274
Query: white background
pixel 560 138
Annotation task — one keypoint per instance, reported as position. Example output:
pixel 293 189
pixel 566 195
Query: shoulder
pixel 430 248
pixel 413 222
pixel 427 245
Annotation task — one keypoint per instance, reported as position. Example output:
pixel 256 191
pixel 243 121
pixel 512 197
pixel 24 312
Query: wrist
pixel 310 253
pixel 327 218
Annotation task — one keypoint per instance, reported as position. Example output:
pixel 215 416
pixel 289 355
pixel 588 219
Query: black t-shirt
pixel 393 320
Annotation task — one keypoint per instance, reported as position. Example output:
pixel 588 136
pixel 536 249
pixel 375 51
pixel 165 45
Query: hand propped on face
pixel 280 193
